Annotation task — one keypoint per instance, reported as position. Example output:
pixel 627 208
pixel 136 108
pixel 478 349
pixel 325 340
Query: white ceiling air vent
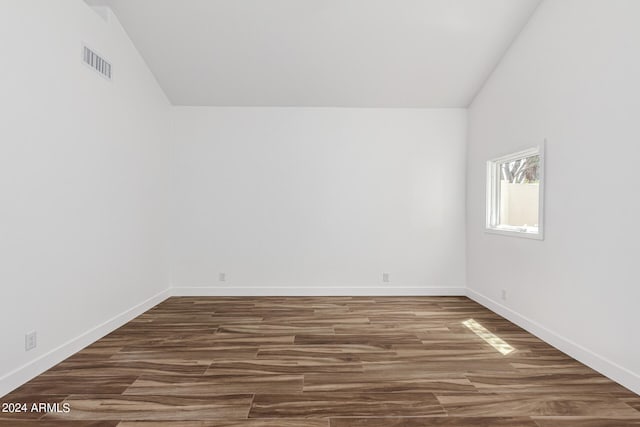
pixel 97 62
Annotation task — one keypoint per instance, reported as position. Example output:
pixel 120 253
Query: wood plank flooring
pixel 322 362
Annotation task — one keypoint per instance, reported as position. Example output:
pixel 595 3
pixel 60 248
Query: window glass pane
pixel 519 192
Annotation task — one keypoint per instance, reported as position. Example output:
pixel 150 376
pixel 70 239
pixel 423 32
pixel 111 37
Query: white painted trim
pixel 28 371
pixel 514 233
pixel 593 360
pixel 245 290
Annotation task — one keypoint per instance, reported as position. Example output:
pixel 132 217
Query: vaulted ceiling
pixel 350 53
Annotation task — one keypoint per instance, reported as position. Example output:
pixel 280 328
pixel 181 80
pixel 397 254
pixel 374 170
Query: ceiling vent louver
pixel 97 62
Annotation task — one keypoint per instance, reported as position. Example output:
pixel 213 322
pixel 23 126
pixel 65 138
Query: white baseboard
pixel 21 375
pixel 593 360
pixel 390 290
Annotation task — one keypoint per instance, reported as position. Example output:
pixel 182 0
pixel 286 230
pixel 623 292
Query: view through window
pixel 514 195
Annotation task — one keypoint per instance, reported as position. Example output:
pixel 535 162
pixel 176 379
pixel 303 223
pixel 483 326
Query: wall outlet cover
pixel 30 341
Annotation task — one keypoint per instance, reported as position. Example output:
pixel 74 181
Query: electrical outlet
pixel 504 295
pixel 385 277
pixel 30 341
pixel 222 277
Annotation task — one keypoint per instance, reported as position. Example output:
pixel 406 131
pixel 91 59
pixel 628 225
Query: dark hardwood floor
pixel 322 362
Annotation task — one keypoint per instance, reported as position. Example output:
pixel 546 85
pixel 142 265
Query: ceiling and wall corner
pixel 329 53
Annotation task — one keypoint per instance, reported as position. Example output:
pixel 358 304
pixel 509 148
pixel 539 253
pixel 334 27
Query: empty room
pixel 319 213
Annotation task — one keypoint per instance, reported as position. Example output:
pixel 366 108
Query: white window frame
pixel 493 195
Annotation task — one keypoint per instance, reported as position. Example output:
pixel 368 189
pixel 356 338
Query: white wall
pixel 82 182
pixel 318 200
pixel 571 77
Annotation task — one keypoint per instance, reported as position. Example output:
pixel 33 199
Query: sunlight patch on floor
pixel 495 341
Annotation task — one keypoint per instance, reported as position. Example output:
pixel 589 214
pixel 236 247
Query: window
pixel 514 194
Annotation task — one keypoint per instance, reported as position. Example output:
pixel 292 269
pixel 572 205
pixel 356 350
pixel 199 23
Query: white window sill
pixel 516 232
